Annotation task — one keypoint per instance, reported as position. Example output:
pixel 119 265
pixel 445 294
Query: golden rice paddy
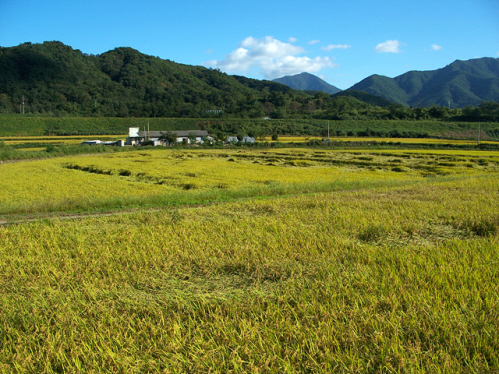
pixel 80 182
pixel 251 261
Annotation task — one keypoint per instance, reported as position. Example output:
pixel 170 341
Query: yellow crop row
pixel 301 139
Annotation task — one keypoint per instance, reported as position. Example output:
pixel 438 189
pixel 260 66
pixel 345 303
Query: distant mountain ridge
pixel 307 82
pixel 461 83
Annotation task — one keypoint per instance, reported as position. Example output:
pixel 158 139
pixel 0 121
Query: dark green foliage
pixel 18 125
pixel 365 97
pixel 57 80
pixel 463 83
pixel 169 137
pixel 263 85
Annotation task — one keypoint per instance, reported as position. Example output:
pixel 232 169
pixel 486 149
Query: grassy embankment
pixel 375 280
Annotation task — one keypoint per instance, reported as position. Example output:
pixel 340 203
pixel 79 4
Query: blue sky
pixel 341 41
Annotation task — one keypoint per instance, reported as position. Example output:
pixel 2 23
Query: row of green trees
pixel 276 106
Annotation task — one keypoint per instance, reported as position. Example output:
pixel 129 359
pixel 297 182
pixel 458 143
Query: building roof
pixel 157 134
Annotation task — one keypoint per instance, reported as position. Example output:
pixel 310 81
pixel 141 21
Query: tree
pixel 168 137
pixel 192 137
pixel 240 136
pixel 221 136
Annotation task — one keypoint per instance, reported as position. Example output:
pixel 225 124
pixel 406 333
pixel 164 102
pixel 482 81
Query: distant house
pixel 91 142
pixel 116 143
pixel 119 143
pixel 136 137
pixel 248 139
pixel 155 142
pixel 245 139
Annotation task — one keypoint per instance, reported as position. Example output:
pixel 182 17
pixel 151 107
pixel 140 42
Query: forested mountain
pixel 462 83
pixel 307 82
pixel 57 80
pixel 54 78
pixel 365 98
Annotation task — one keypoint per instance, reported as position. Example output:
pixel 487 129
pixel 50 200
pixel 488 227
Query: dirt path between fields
pixel 17 220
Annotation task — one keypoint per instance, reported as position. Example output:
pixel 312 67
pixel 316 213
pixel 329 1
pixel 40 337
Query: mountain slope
pixel 365 98
pixel 461 83
pixel 307 82
pixel 55 78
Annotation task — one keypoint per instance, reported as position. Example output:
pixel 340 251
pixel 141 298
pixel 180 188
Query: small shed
pixel 91 142
pixel 116 143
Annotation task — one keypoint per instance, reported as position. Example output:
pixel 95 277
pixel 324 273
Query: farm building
pixel 91 142
pixel 234 139
pixel 118 143
pixel 136 137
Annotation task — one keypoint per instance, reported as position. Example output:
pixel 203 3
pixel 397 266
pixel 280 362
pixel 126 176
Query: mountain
pixel 462 83
pixel 57 79
pixel 307 82
pixel 365 98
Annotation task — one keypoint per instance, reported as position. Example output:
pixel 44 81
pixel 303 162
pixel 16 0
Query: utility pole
pixel 478 133
pixel 23 104
pixel 148 130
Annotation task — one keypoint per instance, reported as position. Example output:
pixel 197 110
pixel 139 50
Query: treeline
pixel 54 80
pixel 27 125
pixel 351 128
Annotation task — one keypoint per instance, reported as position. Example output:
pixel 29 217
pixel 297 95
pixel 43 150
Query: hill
pixel 462 83
pixel 365 98
pixel 56 79
pixel 307 82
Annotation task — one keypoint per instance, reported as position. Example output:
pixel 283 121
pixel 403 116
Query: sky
pixel 341 41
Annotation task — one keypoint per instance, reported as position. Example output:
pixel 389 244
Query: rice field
pixel 251 260
pixel 169 177
pixel 301 139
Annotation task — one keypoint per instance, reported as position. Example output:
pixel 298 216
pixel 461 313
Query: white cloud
pixel 272 57
pixel 390 46
pixel 291 65
pixel 336 46
pixel 292 40
pixel 436 47
pixel 313 42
